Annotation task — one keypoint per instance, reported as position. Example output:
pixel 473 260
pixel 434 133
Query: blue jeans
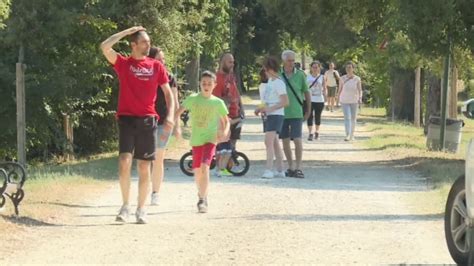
pixel 350 117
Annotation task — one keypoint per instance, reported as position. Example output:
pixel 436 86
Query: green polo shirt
pixel 298 81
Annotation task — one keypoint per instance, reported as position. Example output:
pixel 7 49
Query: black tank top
pixel 160 104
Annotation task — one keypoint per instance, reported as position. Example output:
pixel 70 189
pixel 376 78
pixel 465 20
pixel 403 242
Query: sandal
pixel 299 174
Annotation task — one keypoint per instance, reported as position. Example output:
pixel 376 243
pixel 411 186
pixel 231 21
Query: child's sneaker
pixel 154 198
pixel 123 214
pixel 202 205
pixel 140 214
pixel 225 173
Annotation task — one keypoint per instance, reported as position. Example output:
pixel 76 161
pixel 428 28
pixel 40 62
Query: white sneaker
pixel 236 169
pixel 278 174
pixel 267 174
pixel 216 173
pixel 154 198
pixel 347 138
pixel 352 138
pixel 123 214
pixel 140 214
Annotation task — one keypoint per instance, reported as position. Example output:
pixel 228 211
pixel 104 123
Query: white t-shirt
pixel 350 92
pixel 330 77
pixel 272 92
pixel 317 90
pixel 261 91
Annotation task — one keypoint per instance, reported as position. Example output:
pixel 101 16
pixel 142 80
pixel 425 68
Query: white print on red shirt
pixel 142 72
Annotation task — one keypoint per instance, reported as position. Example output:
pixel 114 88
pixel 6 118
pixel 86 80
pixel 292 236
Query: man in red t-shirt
pixel 226 89
pixel 139 76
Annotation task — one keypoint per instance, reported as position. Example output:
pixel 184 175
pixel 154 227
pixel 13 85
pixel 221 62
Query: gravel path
pixel 354 206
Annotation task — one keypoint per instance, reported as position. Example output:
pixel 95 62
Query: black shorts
pixel 235 131
pixel 137 135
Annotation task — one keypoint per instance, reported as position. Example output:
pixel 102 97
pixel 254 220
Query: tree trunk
pixel 422 92
pixel 403 92
pixel 433 99
pixel 453 94
pixel 417 97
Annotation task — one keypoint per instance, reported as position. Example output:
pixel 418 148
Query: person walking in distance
pixel 298 92
pixel 139 76
pixel 332 78
pixel 162 136
pixel 317 86
pixel 350 96
pixel 226 89
pixel 274 100
pixel 209 125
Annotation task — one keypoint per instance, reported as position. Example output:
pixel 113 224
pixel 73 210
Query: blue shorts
pixel 224 148
pixel 292 128
pixel 273 123
pixel 162 138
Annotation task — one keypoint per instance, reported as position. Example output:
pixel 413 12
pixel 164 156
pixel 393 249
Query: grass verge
pixel 406 143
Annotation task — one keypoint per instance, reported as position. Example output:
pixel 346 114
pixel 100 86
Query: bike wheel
pixel 455 222
pixel 186 163
pixel 239 164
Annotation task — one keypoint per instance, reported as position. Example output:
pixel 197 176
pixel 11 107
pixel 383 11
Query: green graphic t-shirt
pixel 298 81
pixel 205 115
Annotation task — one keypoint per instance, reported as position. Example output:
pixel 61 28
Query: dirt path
pixel 353 207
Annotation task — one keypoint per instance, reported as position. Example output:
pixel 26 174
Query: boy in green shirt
pixel 209 125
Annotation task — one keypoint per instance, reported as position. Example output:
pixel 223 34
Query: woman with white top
pixel 275 99
pixel 261 91
pixel 350 96
pixel 317 87
pixel 332 78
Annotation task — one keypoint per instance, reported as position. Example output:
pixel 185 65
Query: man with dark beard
pixel 227 90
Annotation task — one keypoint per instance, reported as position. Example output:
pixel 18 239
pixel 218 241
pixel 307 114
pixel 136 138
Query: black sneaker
pixel 316 136
pixel 299 174
pixel 290 173
pixel 202 205
pixel 310 137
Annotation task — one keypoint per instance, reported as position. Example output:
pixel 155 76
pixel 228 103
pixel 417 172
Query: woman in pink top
pixel 350 96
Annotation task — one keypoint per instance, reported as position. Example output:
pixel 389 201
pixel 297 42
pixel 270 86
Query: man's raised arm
pixel 106 46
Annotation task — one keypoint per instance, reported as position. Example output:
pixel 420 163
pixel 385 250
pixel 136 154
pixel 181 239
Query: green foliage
pixel 4 11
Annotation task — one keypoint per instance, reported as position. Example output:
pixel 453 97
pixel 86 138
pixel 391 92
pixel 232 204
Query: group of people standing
pixel 289 97
pixel 148 114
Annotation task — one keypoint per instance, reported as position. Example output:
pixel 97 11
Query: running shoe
pixel 236 169
pixel 316 136
pixel 225 173
pixel 310 137
pixel 279 174
pixel 140 214
pixel 268 174
pixel 123 214
pixel 347 138
pixel 154 198
pixel 202 205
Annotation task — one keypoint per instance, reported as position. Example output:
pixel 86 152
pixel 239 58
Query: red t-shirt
pixel 226 89
pixel 138 82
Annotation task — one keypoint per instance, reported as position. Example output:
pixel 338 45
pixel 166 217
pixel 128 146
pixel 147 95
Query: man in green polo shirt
pixel 298 95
